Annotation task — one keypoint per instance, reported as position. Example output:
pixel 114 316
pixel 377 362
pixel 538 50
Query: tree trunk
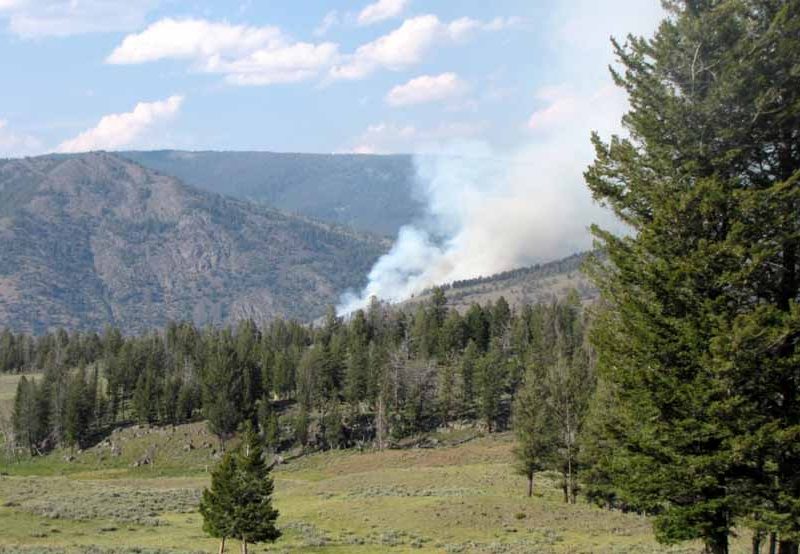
pixel 717 544
pixel 565 487
pixel 222 545
pixel 758 536
pixel 773 543
pixel 530 484
pixel 787 547
pixel 244 546
pixel 380 422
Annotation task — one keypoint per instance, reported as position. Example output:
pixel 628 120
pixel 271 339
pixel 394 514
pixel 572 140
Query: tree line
pixel 379 376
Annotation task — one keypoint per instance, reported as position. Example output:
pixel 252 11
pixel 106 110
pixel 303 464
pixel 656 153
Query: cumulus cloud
pixel 244 55
pixel 191 39
pixel 381 11
pixel 123 129
pixel 14 144
pixel 427 88
pixel 61 18
pixel 287 64
pixel 407 45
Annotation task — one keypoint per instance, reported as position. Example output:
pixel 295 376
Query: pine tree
pixel 239 502
pixel 468 369
pixel 534 429
pixel 218 503
pixel 222 390
pixel 446 393
pixel 568 384
pixel 77 414
pixel 254 516
pixel 24 416
pixel 500 317
pixel 268 423
pixel 145 403
pixel 701 342
pixel 491 378
pixel 477 327
pixel 357 366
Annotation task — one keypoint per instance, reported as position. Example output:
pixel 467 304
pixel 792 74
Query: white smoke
pixel 490 211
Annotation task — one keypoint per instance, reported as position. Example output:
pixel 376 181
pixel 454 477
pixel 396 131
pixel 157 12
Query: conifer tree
pixel 491 378
pixel 254 516
pixel 534 430
pixel 701 342
pixel 77 413
pixel 145 403
pixel 218 503
pixel 568 386
pixel 222 389
pixel 446 392
pixel 24 417
pixel 239 502
pixel 468 369
pixel 268 423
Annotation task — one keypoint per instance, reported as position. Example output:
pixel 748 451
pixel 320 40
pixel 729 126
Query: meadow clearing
pixel 450 499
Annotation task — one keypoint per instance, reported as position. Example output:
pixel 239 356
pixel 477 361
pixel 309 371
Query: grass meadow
pixel 458 499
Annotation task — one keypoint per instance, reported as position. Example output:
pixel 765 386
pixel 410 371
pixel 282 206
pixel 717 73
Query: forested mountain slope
pixel 368 193
pixel 521 286
pixel 95 239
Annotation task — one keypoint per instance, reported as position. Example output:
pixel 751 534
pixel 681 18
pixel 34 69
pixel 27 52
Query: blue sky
pixel 309 76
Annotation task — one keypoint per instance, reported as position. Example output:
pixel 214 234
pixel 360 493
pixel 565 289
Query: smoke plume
pixel 489 212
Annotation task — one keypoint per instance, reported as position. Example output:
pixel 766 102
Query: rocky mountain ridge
pixel 96 239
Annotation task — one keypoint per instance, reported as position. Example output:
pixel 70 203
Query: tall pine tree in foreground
pixel 217 506
pixel 700 344
pixel 239 503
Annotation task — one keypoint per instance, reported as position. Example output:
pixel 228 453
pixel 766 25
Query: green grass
pixel 450 500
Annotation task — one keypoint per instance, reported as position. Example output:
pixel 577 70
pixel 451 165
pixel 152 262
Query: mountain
pixel 367 193
pixel 97 239
pixel 520 286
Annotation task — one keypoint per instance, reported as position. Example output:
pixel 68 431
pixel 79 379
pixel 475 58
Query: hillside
pixel 368 193
pixel 95 239
pixel 525 285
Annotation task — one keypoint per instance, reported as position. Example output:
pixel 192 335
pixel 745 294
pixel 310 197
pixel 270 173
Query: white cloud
pixel 61 18
pixel 14 144
pixel 192 39
pixel 427 88
pixel 244 55
pixel 123 129
pixel 464 27
pixel 381 11
pixel 296 62
pixel 407 45
pixel 330 20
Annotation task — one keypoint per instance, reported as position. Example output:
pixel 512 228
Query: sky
pixel 310 76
